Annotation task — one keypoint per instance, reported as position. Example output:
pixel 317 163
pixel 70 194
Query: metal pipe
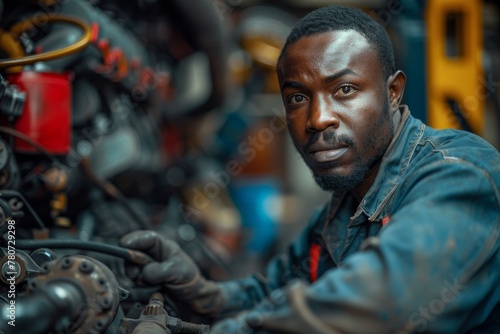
pixel 52 307
pixel 50 55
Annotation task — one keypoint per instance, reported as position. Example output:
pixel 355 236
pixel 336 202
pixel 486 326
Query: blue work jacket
pixel 419 254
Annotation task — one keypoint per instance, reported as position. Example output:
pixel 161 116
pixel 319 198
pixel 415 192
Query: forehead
pixel 330 51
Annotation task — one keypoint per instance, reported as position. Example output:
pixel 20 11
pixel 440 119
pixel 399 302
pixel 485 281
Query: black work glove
pixel 237 325
pixel 247 322
pixel 176 271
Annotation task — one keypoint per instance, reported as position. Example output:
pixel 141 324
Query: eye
pixel 295 98
pixel 345 90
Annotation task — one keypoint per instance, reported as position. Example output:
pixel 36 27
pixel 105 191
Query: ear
pixel 395 88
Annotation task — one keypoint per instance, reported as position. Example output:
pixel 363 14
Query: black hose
pixel 25 138
pixel 133 256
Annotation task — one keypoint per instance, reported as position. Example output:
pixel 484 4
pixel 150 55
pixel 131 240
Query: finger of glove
pixel 151 243
pixel 174 271
pixel 132 271
pixel 152 273
pixel 139 240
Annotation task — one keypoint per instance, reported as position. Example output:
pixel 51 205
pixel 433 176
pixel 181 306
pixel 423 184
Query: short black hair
pixel 334 17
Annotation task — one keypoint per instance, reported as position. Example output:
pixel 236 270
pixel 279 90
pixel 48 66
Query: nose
pixel 322 115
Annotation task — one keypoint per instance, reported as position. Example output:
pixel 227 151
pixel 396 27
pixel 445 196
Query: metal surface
pixel 154 319
pixel 97 283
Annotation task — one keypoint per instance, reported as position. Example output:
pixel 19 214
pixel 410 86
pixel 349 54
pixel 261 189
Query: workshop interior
pixel 166 115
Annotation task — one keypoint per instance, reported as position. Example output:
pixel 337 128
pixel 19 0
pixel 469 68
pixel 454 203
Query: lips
pixel 328 154
pixel 327 147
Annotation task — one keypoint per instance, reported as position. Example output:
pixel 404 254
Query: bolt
pixel 106 303
pixel 45 268
pixel 101 285
pixel 15 204
pixel 101 281
pixel 86 267
pixel 99 324
pixel 66 263
pixel 33 284
pixel 10 268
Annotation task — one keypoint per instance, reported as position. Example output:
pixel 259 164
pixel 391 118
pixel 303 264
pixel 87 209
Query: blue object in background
pixel 256 198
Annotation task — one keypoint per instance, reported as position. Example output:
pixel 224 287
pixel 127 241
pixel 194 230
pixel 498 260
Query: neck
pixel 361 189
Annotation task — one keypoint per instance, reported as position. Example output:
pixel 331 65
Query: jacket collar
pixel 394 163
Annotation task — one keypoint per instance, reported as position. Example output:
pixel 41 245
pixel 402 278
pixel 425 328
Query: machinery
pixel 94 98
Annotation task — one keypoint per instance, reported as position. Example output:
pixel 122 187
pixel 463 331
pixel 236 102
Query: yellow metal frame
pixel 458 78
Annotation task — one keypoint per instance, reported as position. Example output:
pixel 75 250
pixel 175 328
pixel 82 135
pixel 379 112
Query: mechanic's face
pixel 338 106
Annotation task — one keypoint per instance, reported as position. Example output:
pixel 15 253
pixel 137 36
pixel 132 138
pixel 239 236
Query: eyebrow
pixel 339 74
pixel 292 84
pixel 328 79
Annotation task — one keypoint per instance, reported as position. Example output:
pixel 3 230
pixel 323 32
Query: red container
pixel 46 116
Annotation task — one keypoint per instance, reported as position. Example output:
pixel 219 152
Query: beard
pixel 360 166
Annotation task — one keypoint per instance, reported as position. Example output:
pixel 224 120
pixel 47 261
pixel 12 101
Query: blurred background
pixel 166 115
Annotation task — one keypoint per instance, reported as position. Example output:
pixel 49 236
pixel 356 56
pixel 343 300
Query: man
pixel 409 242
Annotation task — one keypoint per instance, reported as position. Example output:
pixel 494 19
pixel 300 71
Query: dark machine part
pixel 155 320
pixel 18 265
pixel 9 172
pixel 75 294
pixel 11 99
pixel 51 307
pixel 5 214
pixel 14 205
pixel 42 255
pixel 115 51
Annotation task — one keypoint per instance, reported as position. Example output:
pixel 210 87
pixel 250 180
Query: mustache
pixel 330 137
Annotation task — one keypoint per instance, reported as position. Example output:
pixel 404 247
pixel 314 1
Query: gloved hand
pixel 236 325
pixel 247 322
pixel 176 271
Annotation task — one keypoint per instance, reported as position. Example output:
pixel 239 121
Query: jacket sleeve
pixel 243 294
pixel 433 268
